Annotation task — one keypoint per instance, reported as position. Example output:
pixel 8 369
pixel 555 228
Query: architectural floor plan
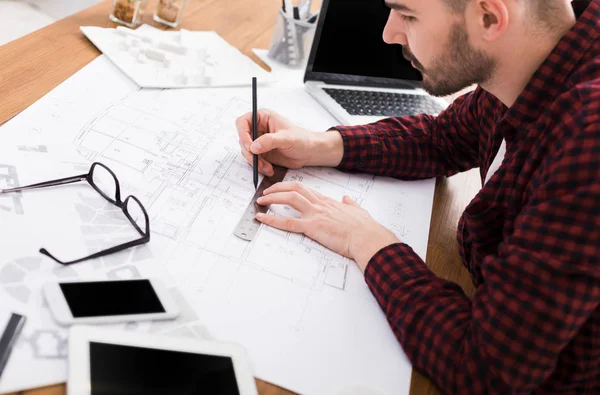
pixel 303 313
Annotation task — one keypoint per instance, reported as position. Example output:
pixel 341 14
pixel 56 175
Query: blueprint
pixel 303 313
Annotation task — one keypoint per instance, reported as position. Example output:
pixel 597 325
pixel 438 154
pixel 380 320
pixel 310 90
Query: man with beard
pixel 530 238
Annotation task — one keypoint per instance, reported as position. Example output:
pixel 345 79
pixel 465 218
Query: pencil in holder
pixel 291 41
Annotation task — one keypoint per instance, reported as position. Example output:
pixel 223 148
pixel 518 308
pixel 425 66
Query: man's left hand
pixel 343 227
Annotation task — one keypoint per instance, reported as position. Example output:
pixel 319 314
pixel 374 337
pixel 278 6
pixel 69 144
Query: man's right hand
pixel 282 143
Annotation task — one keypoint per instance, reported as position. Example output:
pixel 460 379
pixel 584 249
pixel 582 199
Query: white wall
pixel 20 17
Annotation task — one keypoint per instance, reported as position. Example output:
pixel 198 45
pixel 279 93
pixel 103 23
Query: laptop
pixel 354 74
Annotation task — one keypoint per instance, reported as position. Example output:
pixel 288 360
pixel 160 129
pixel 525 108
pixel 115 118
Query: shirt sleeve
pixel 538 290
pixel 416 147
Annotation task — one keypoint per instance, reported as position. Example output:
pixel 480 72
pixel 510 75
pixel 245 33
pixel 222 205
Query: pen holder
pixel 291 41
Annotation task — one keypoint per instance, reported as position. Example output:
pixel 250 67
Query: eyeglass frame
pixel 122 204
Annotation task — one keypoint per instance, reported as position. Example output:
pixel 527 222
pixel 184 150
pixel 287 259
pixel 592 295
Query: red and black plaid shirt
pixel 530 238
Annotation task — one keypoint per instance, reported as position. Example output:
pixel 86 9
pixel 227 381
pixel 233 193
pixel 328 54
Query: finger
pixel 245 141
pixel 244 122
pixel 292 199
pixel 244 128
pixel 287 224
pixel 267 168
pixel 346 199
pixel 318 194
pixel 248 157
pixel 265 116
pixel 264 167
pixel 271 141
pixel 293 186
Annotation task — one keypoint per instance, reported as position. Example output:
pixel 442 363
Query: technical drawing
pixel 47 344
pixel 10 179
pixel 20 278
pixel 199 332
pixel 283 296
pixel 33 148
pixel 187 324
pixel 104 225
pixel 128 272
pixel 195 186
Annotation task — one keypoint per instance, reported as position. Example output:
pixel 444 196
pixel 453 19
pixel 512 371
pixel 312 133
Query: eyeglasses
pixel 105 182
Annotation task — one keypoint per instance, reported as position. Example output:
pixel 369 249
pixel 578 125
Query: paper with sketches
pixel 70 221
pixel 175 59
pixel 303 313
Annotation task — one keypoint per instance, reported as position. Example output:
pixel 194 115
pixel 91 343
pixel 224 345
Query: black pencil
pixel 254 133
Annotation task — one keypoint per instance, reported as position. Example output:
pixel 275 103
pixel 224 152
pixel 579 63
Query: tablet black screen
pixel 119 370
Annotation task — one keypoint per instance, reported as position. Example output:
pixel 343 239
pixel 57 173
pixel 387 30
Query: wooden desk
pixel 35 64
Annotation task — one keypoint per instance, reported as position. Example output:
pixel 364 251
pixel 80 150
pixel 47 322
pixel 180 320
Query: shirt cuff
pixel 359 145
pixel 392 265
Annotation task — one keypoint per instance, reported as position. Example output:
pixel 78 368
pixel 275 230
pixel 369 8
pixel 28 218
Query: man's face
pixel 437 43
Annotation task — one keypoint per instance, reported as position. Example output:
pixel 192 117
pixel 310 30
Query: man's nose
pixel 393 33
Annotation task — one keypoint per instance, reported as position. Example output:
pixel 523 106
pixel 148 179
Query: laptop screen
pixel 348 41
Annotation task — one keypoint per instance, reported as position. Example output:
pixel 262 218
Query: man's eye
pixel 408 18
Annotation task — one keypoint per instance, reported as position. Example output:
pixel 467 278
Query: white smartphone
pixel 105 302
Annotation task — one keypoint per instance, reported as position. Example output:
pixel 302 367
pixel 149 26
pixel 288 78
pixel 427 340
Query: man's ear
pixel 492 18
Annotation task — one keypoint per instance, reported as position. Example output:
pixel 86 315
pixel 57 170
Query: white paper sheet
pixel 304 314
pixel 207 61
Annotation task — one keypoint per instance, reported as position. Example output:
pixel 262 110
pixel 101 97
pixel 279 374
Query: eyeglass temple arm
pixel 99 254
pixel 45 184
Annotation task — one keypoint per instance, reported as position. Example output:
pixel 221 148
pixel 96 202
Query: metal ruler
pixel 248 226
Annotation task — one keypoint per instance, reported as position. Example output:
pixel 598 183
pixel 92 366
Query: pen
pixel 9 338
pixel 254 133
pixel 288 8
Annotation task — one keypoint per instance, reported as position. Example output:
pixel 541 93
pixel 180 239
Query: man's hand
pixel 343 226
pixel 280 142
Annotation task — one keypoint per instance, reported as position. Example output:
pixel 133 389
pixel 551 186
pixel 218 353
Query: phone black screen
pixel 106 298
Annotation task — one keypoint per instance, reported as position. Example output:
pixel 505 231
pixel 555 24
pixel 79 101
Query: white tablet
pixel 109 362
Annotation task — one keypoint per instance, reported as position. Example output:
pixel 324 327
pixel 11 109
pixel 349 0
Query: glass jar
pixel 169 12
pixel 128 12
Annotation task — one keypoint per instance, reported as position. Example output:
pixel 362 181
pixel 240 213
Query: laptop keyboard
pixel 387 104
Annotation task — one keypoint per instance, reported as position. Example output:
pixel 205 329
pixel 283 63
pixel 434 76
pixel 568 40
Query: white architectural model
pixel 154 58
